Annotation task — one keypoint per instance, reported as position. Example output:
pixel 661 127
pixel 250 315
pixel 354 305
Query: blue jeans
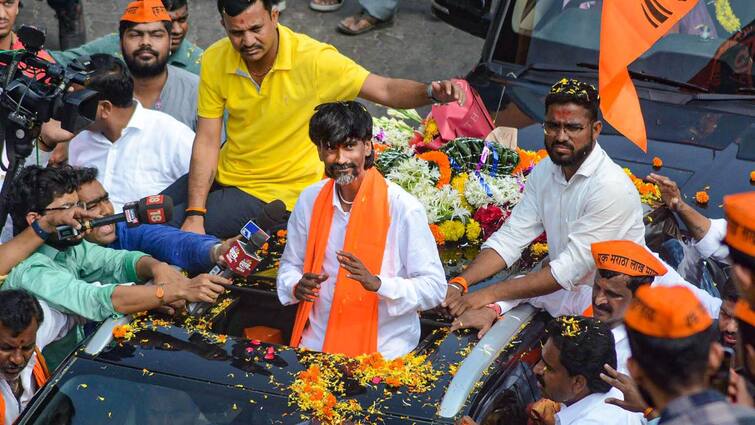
pixel 693 268
pixel 380 9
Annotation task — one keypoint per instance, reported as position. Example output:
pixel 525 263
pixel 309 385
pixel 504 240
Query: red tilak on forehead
pixel 564 114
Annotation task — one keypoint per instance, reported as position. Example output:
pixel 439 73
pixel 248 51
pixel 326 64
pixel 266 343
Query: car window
pixel 124 396
pixel 707 48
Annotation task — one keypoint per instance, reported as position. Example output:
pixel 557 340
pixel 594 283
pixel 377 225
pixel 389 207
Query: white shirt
pixel 712 245
pixel 623 352
pixel 598 203
pixel 154 150
pixel 593 410
pixel 54 326
pixel 412 275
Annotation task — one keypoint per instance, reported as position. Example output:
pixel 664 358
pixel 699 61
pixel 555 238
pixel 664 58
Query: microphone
pixel 241 258
pixel 155 209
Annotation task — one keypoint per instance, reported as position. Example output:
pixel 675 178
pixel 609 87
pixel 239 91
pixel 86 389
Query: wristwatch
pixel 431 95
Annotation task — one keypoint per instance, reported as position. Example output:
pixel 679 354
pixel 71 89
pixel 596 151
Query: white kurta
pixel 593 410
pixel 712 244
pixel 54 326
pixel 598 203
pixel 412 275
pixel 154 151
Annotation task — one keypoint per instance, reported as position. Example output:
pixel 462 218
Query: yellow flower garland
pixel 726 17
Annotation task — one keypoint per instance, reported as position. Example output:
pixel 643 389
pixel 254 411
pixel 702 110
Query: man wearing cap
pixel 577 195
pixel 623 266
pixel 183 54
pixel 145 43
pixel 739 210
pixel 268 79
pixel 672 341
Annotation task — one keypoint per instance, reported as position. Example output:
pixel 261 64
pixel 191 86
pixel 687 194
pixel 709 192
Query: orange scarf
pixel 353 323
pixel 41 375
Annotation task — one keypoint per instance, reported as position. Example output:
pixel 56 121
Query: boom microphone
pixel 155 209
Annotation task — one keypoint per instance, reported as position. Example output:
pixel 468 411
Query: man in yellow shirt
pixel 268 79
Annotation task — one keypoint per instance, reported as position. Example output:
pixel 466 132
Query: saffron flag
pixel 628 29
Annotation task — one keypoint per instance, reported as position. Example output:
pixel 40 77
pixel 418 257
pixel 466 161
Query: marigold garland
pixel 752 176
pixel 702 197
pixel 726 17
pixel 527 160
pixel 657 162
pixel 316 389
pixel 123 332
pixel 650 194
pixel 452 230
pixel 444 165
pixel 431 130
pixel 473 230
pixel 437 234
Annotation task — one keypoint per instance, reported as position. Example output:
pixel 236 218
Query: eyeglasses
pixel 66 207
pixel 553 128
pixel 93 203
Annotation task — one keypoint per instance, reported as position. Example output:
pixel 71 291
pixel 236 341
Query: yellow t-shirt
pixel 268 153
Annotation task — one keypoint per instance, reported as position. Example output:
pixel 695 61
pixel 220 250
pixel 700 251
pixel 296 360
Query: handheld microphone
pixel 155 209
pixel 241 259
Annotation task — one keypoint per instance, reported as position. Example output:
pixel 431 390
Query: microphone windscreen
pixel 155 209
pixel 272 215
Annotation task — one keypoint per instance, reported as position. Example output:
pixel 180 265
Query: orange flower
pixel 444 165
pixel 379 147
pixel 657 162
pixel 393 382
pixel 528 159
pixel 122 331
pixel 437 234
pixel 281 233
pixel 702 197
pixel 752 176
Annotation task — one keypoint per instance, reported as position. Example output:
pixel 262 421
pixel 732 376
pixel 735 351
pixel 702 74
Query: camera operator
pixel 77 277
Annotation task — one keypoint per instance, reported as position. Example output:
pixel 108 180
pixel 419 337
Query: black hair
pixel 577 92
pixel 112 80
pixel 235 7
pixel 124 26
pixel 337 122
pixel 84 175
pixel 672 364
pixel 728 290
pixel 171 5
pixel 33 190
pixel 586 344
pixel 17 310
pixel 634 281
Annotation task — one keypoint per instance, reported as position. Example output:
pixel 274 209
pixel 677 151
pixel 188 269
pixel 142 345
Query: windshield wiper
pixel 653 78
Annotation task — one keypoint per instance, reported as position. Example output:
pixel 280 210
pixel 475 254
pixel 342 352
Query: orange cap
pixel 669 312
pixel 743 312
pixel 144 11
pixel 740 222
pixel 626 257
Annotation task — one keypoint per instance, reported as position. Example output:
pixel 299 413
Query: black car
pixel 182 373
pixel 695 87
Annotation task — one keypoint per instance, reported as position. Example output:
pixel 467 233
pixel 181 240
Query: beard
pixel 333 171
pixel 577 156
pixel 144 70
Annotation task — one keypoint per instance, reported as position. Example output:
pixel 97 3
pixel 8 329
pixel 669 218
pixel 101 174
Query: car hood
pixel 240 362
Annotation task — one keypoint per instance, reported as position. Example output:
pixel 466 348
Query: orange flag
pixel 628 29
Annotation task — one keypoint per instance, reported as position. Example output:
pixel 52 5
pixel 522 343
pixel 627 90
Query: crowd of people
pixel 260 116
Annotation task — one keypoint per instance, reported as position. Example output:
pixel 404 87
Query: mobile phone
pixel 720 380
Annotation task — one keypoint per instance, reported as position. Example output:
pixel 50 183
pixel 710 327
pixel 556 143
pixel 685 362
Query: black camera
pixel 33 91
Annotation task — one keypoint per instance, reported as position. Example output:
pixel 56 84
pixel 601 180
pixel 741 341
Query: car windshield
pixel 711 47
pixel 124 396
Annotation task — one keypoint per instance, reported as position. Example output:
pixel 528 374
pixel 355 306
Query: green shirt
pixel 79 280
pixel 187 56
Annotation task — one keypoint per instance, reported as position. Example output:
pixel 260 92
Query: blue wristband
pixel 40 231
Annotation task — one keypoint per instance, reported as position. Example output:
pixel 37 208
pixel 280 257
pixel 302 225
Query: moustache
pixel 146 50
pixel 342 167
pixel 252 47
pixel 603 308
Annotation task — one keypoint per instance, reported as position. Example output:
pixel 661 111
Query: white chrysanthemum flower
pixel 413 172
pixel 441 204
pixel 504 190
pixel 392 132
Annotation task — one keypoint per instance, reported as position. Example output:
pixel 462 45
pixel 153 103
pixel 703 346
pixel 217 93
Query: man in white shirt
pixel 577 195
pixel 26 327
pixel 622 267
pixel 360 259
pixel 138 152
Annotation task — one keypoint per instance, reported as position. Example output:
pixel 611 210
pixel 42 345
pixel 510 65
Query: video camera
pixel 33 91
